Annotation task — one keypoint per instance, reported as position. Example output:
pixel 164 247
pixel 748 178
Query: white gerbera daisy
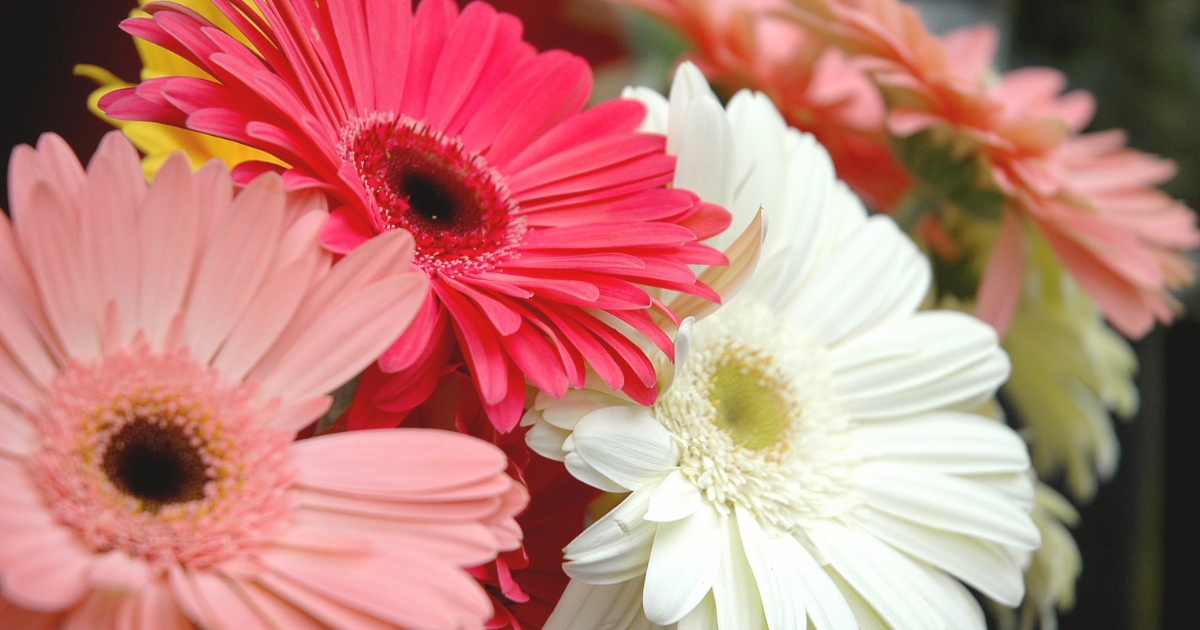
pixel 810 458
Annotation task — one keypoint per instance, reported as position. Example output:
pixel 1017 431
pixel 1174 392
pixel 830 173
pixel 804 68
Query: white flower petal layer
pixel 683 565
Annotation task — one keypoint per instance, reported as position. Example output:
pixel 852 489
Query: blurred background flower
pixel 1141 59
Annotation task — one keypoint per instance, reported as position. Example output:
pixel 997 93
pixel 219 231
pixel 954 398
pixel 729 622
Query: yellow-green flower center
pixel 749 407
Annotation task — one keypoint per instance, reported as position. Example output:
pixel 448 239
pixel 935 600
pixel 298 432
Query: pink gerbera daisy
pixel 534 220
pixel 1092 198
pixel 159 346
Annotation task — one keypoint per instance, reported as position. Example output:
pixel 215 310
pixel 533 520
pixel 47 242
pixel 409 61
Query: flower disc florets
pixel 757 424
pixel 454 203
pixel 154 455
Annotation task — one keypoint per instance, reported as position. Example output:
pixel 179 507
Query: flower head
pixel 1091 197
pixel 529 215
pixel 161 345
pixel 810 457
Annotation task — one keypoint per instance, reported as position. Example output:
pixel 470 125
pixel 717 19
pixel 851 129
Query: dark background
pixel 1140 57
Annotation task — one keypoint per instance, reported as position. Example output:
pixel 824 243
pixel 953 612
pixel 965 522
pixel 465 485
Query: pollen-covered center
pixel 453 202
pixel 748 407
pixel 154 460
pixel 757 421
pixel 155 455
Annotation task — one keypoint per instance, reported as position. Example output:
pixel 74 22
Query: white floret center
pixel 758 424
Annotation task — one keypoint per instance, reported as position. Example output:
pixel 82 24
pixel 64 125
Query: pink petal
pixel 415 344
pixel 169 231
pixel 276 299
pixel 479 344
pixel 435 595
pixel 561 92
pixel 48 232
pixel 389 29
pixel 157 609
pixel 464 55
pixel 503 318
pixel 606 119
pixel 506 413
pixel 537 360
pixel 1000 287
pixel 221 604
pixel 234 265
pixel 394 463
pixel 431 24
pixel 50 573
pixel 350 336
pixel 344 230
pixel 439 511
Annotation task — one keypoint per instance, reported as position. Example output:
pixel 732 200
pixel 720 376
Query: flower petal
pixel 626 444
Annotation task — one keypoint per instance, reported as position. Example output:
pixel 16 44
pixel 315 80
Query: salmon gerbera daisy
pixel 160 346
pixel 535 220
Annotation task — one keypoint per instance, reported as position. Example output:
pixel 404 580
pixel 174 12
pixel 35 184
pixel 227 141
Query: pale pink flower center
pixel 155 455
pixel 454 203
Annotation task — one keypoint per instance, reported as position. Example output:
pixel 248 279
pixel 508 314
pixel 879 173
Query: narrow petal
pixel 946 502
pixel 683 566
pixel 616 547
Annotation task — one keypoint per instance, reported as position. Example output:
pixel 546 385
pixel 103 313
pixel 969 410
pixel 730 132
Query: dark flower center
pixel 437 199
pixel 455 205
pixel 156 463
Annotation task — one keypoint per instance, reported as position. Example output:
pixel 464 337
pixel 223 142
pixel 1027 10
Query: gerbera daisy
pixel 816 88
pixel 161 344
pixel 1090 196
pixel 810 458
pixel 529 215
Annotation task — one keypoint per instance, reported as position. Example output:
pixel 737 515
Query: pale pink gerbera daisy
pixel 159 347
pixel 529 215
pixel 1091 197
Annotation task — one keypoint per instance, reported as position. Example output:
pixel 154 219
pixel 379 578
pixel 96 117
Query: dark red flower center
pixel 455 205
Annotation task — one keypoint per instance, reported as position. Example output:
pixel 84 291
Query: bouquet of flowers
pixel 366 319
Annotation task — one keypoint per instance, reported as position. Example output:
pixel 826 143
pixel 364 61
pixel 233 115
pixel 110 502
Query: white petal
pixel 952 360
pixel 863 562
pixel 616 547
pixel 544 438
pixel 874 276
pixel 758 131
pixel 791 582
pixel 582 471
pixel 702 617
pixel 674 499
pixel 706 153
pixel 986 566
pixel 657 108
pixel 688 84
pixel 946 502
pixel 683 346
pixel 958 607
pixel 683 566
pixel 627 445
pixel 948 442
pixel 736 592
pixel 602 607
pixel 576 403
